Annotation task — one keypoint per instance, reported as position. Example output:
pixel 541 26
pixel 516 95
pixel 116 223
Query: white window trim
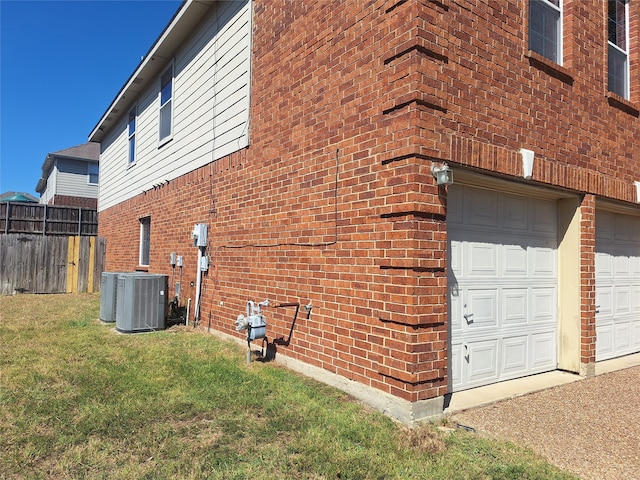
pixel 130 163
pixel 169 137
pixel 142 241
pixel 560 9
pixel 627 86
pixel 89 165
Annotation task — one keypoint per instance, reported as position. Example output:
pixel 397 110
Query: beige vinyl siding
pixel 211 109
pixel 113 165
pixel 73 179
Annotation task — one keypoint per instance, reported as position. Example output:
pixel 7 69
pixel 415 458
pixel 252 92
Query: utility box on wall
pixel 199 234
pixel 141 304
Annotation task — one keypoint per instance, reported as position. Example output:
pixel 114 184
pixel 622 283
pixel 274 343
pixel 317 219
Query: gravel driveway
pixel 590 427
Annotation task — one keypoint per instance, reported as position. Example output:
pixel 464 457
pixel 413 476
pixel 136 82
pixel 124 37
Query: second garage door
pixel 502 285
pixel 617 285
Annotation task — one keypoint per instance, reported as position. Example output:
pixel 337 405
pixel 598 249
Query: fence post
pixel 6 223
pixel 92 263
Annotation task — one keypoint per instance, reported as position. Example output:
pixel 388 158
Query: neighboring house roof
pixel 18 197
pixel 87 151
pixel 188 15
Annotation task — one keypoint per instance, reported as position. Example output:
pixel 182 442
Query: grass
pixel 78 400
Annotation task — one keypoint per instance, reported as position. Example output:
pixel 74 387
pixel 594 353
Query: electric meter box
pixel 199 234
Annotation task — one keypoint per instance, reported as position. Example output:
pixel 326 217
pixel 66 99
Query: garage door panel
pixel 455 212
pixel 515 354
pixel 621 228
pixel 604 227
pixel 481 208
pixel 544 261
pixel 543 350
pixel 514 261
pixel 515 213
pixel 604 344
pixel 482 260
pixel 456 366
pixel 483 361
pixel 515 306
pixel 635 231
pixel 604 301
pixel 543 305
pixel 604 265
pixel 622 336
pixel 635 299
pixel 635 267
pixel 455 314
pixel 455 259
pixel 622 303
pixel 544 217
pixel 622 265
pixel 481 310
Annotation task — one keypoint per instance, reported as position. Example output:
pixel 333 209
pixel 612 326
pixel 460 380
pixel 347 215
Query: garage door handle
pixel 467 317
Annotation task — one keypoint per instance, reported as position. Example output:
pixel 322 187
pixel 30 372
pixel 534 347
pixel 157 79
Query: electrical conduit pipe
pixel 196 309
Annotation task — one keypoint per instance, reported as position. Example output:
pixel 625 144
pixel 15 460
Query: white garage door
pixel 502 285
pixel 617 285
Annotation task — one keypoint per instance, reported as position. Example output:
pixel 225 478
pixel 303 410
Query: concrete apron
pixel 478 397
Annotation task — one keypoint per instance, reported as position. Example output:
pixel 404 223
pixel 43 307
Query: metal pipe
pixel 196 309
pixel 290 304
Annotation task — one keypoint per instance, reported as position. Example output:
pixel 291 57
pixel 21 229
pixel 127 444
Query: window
pixel 145 240
pixel 166 97
pixel 132 135
pixel 94 172
pixel 545 29
pixel 618 32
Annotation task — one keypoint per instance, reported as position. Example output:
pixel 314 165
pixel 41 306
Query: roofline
pixel 188 15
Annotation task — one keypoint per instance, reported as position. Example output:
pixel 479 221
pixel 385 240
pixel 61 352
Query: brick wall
pixel 68 201
pixel 334 203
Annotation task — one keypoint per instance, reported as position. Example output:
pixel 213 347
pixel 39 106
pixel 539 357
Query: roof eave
pixel 186 17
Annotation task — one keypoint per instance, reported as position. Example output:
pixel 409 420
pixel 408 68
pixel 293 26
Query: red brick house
pixel 307 137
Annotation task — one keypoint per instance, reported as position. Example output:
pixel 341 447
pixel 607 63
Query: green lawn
pixel 78 400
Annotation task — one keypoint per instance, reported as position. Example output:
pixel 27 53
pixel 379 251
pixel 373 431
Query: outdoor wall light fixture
pixel 442 173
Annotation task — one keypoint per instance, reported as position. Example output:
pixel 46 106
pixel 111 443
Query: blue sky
pixel 61 65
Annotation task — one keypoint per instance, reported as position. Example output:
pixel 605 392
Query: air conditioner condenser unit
pixel 141 304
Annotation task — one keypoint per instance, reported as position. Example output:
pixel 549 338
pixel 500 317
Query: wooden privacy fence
pixel 50 264
pixel 18 217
